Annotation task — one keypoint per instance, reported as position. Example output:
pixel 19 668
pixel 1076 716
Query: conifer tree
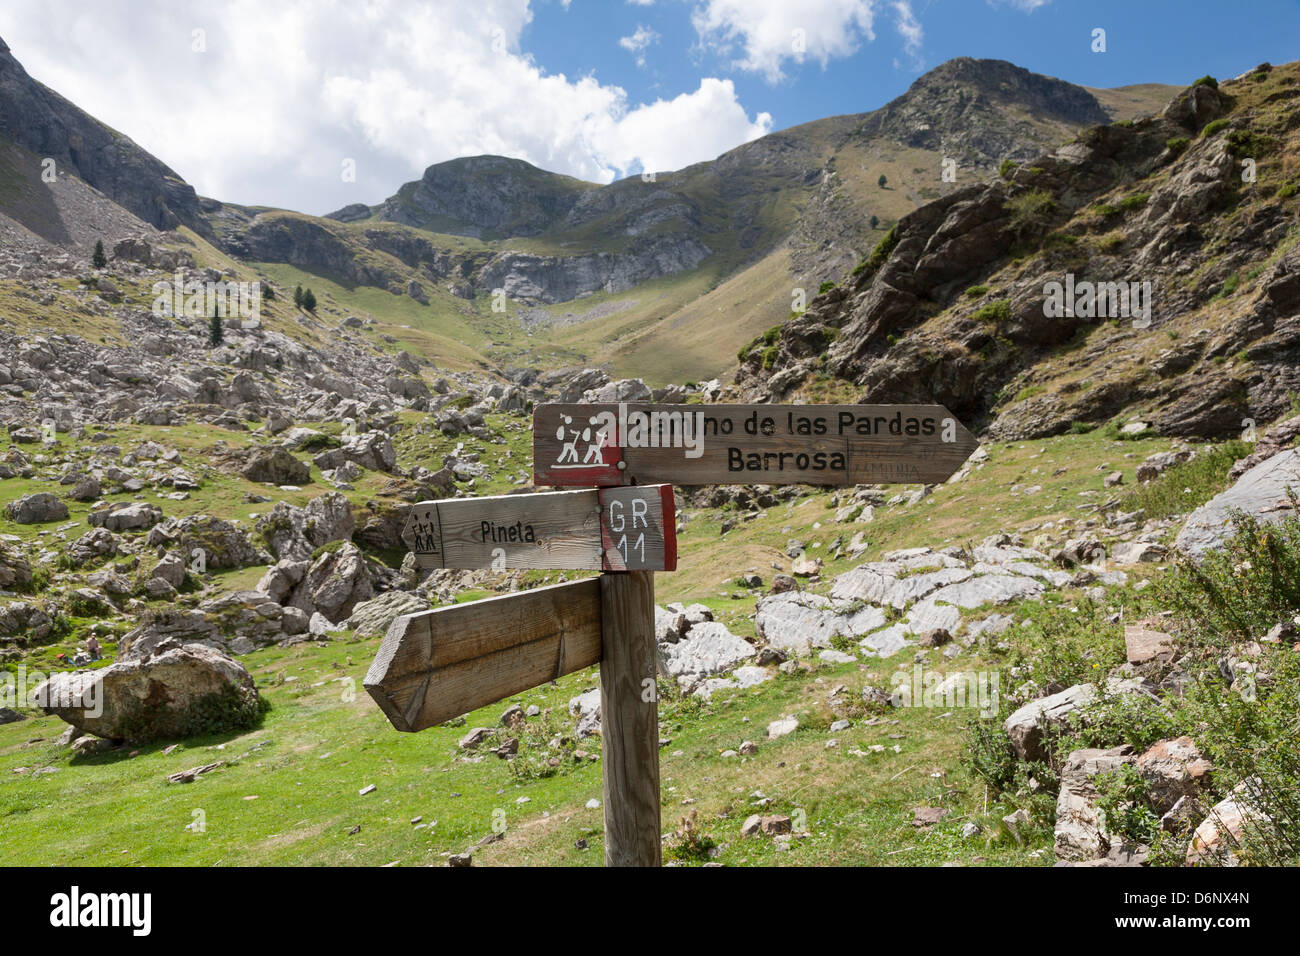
pixel 216 334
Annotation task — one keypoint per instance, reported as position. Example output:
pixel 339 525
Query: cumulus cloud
pixel 282 94
pixel 1028 6
pixel 762 35
pixel 909 28
pixel 638 41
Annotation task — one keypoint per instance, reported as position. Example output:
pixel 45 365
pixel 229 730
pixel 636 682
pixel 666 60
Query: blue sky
pixel 315 104
pixel 1148 41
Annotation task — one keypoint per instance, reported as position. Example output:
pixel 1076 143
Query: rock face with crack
pixel 1080 824
pixel 173 691
pixel 1261 492
pixel 372 618
pixel 708 649
pixel 799 621
pixel 293 533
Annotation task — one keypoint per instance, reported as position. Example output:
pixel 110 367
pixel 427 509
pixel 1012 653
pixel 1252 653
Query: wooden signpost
pixel 605 529
pixel 439 664
pixel 741 444
pixel 436 665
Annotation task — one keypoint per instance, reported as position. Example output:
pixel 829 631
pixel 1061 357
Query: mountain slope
pixel 952 307
pixel 586 274
pixel 36 118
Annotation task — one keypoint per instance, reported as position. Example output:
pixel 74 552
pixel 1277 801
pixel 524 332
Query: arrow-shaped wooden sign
pixel 439 664
pixel 609 529
pixel 633 444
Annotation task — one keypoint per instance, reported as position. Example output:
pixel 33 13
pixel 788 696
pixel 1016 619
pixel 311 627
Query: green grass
pixel 1184 487
pixel 289 793
pixel 320 750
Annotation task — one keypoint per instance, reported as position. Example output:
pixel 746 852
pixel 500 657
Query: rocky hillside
pixel 660 277
pixel 41 121
pixel 795 208
pixel 1198 205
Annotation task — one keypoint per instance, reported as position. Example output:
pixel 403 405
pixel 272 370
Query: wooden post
pixel 629 719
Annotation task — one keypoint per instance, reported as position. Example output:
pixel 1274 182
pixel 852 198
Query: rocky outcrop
pixel 222 544
pixel 173 691
pixel 372 618
pixel 292 533
pixel 333 584
pixel 1081 832
pixel 37 508
pixel 530 278
pixel 1262 492
pixel 942 312
pixel 276 466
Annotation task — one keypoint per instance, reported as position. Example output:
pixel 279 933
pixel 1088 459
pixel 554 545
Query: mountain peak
pixel 983 111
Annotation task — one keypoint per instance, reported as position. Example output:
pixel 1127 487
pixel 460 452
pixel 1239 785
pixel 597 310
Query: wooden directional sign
pixel 609 529
pixel 634 444
pixel 439 664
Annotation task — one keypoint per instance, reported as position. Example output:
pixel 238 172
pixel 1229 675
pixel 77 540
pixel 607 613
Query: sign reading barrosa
pixel 605 529
pixel 626 444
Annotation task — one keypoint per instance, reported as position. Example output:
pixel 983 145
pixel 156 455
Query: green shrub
pixel 1207 80
pixel 1126 807
pixel 1289 190
pixel 769 356
pixel 1057 644
pixel 1008 167
pixel 999 310
pixel 1030 209
pixel 1136 201
pixel 825 287
pixel 1245 586
pixel 1187 486
pixel 1112 241
pixel 320 442
pixel 882 251
pixel 975 291
pixel 1246 728
pixel 1245 143
pixel 1214 126
pixel 1176 144
pixel 990 755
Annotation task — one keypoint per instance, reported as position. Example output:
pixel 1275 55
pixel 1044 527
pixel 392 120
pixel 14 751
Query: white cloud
pixel 770 32
pixel 638 41
pixel 1028 6
pixel 909 28
pixel 670 134
pixel 285 92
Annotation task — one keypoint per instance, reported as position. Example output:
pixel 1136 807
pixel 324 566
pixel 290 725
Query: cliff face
pixel 39 120
pixel 981 111
pixel 486 197
pixel 960 304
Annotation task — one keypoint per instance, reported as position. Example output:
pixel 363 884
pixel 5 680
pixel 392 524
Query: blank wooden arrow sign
pixel 439 664
pixel 609 529
pixel 633 444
